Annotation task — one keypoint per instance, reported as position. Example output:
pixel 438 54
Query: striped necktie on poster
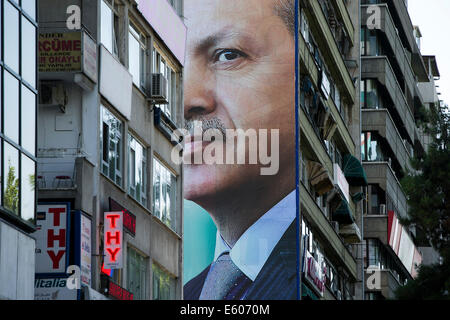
pixel 224 281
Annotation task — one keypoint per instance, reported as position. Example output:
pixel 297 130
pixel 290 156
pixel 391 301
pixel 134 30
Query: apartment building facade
pixel 18 96
pixel 332 177
pixel 394 79
pixel 111 81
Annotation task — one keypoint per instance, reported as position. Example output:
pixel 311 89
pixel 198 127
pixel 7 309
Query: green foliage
pixel 428 193
pixel 12 190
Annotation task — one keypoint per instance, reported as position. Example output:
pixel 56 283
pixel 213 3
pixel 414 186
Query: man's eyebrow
pixel 203 45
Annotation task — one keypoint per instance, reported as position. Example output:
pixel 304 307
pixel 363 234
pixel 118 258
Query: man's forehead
pixel 209 20
pixel 196 11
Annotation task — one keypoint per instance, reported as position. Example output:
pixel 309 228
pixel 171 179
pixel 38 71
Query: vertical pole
pixel 297 154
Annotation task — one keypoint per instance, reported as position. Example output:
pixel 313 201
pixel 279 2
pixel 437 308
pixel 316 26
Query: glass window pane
pixel 11 38
pixel 11 107
pixel 11 179
pixel 28 52
pixel 134 59
pixel 30 7
pixel 106 26
pixel 28 120
pixel 28 189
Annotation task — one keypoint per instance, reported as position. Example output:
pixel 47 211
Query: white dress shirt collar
pixel 254 247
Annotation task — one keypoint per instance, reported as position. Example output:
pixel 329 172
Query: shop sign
pixel 113 240
pixel 52 237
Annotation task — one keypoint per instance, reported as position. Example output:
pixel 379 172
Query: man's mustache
pixel 210 123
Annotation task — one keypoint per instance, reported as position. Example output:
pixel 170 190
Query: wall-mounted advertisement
pixel 402 244
pixel 83 245
pixel 54 289
pixel 239 152
pixel 52 238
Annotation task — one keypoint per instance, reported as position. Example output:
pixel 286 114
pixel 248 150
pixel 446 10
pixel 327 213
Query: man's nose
pixel 199 93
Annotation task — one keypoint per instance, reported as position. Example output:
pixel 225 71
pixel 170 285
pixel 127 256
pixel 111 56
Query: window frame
pixel 132 190
pixel 118 172
pixel 170 221
pixel 135 32
pixel 23 154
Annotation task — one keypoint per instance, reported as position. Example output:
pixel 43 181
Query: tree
pixel 428 194
pixel 12 190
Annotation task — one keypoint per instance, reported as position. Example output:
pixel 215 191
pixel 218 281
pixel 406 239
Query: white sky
pixel 433 17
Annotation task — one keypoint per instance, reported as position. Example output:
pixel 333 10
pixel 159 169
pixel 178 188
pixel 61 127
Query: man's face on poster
pixel 239 72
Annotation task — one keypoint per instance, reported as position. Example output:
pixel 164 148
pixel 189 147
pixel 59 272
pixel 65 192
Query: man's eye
pixel 228 55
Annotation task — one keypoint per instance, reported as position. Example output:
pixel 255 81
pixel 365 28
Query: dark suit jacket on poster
pixel 276 280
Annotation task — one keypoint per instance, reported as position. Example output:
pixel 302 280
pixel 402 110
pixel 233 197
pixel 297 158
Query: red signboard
pixel 129 219
pixel 403 245
pixel 118 292
pixel 113 240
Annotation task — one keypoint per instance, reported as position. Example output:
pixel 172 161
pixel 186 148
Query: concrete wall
pixel 16 264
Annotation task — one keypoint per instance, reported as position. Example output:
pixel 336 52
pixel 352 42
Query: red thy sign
pixel 113 233
pixel 129 219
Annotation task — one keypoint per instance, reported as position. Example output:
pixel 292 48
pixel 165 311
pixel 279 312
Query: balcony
pixel 325 40
pixel 406 29
pixel 70 177
pixel 387 26
pixel 380 120
pixel 342 11
pixel 308 63
pixel 388 283
pixel 382 174
pixel 318 219
pixel 379 68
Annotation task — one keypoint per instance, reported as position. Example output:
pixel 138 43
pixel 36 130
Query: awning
pixel 357 197
pixel 343 213
pixel 308 294
pixel 319 178
pixel 354 171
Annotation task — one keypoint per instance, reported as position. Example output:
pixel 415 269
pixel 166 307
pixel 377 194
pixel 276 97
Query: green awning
pixel 343 213
pixel 354 171
pixel 357 197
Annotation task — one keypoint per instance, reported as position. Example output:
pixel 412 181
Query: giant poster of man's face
pixel 239 151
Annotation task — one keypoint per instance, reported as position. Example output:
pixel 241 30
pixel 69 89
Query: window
pixel 164 194
pixel 28 120
pixel 136 274
pixel 11 38
pixel 28 47
pixel 111 148
pixel 18 109
pixel 160 65
pixel 370 97
pixel 109 21
pixel 370 43
pixel 163 284
pixel 137 184
pixel 27 182
pixel 136 56
pixel 11 178
pixel 371 147
pixel 11 96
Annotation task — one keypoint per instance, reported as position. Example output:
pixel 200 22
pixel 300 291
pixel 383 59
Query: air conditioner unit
pixel 335 226
pixel 382 209
pixel 159 88
pixel 52 95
